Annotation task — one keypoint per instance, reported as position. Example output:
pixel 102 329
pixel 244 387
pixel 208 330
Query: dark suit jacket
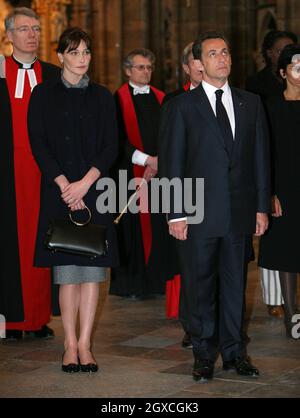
pixel 69 134
pixel 235 189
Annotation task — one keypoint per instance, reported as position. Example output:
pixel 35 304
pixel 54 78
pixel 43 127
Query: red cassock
pixel 35 281
pixel 132 129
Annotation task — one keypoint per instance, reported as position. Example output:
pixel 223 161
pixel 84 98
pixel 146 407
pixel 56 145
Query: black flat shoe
pixel 45 333
pixel 71 367
pixel 13 335
pixel 89 368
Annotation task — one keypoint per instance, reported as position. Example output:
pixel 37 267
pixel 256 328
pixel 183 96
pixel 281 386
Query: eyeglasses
pixel 141 67
pixel 75 53
pixel 26 29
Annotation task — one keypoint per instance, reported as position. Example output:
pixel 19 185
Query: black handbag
pixel 69 236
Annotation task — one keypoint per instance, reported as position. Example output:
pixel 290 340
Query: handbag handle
pixel 79 223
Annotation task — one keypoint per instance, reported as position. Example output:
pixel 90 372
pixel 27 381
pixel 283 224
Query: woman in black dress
pixel 73 136
pixel 279 248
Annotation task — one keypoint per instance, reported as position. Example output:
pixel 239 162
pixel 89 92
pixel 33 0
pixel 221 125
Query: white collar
pixel 210 90
pixel 25 65
pixel 139 90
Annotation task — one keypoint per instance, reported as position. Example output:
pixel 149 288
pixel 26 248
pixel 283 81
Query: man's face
pixel 215 61
pixel 193 70
pixel 141 71
pixel 274 52
pixel 25 35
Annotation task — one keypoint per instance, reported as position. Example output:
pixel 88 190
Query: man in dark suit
pixel 217 133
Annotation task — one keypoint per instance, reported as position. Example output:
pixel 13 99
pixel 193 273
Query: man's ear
pixel 186 69
pixel 9 35
pixel 128 72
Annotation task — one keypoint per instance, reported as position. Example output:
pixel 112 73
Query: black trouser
pixel 215 313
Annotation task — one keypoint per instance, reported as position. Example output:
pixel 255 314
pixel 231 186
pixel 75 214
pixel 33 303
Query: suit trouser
pixel 214 310
pixel 183 313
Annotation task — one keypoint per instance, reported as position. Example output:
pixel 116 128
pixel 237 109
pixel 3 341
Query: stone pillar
pixel 243 22
pixel 135 24
pixel 54 21
pixel 292 18
pixel 5 46
pixel 114 29
pixel 81 14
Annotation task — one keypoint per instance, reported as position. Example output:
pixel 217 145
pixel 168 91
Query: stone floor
pixel 139 354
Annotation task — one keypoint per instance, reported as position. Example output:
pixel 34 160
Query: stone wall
pixel 164 26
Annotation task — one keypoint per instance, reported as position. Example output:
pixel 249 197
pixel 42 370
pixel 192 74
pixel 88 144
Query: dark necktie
pixel 224 123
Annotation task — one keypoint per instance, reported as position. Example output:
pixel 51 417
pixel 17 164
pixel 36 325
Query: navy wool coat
pixel 71 130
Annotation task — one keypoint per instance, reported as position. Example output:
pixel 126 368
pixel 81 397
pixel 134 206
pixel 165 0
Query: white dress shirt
pixel 139 157
pixel 210 92
pixel 226 100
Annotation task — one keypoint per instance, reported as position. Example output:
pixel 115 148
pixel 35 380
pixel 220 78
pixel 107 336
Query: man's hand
pixel 178 230
pixel 149 173
pixel 152 162
pixel 276 207
pixel 262 223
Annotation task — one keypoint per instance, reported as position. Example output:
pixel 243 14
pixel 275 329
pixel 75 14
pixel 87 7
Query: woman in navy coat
pixel 73 136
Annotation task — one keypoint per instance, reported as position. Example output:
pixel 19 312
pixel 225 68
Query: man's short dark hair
pixel 270 39
pixel 18 11
pixel 197 46
pixel 146 53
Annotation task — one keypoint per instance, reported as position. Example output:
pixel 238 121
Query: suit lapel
pixel 207 112
pixel 239 116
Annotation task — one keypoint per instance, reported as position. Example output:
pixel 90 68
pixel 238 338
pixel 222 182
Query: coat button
pixel 69 162
pixel 67 138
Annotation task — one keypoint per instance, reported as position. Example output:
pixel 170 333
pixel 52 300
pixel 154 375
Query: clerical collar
pixel 24 65
pixel 139 90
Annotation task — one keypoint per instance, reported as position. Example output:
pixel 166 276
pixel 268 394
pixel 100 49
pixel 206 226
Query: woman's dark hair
pixel 285 58
pixel 270 39
pixel 70 39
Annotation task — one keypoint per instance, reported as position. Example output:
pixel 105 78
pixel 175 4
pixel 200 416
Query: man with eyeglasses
pixel 143 236
pixel 25 291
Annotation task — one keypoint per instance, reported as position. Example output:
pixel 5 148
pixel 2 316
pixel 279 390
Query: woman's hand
pixel 78 206
pixel 276 207
pixel 74 193
pixel 62 182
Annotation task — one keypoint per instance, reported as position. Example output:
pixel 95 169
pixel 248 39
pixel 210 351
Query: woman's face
pixel 76 62
pixel 292 74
